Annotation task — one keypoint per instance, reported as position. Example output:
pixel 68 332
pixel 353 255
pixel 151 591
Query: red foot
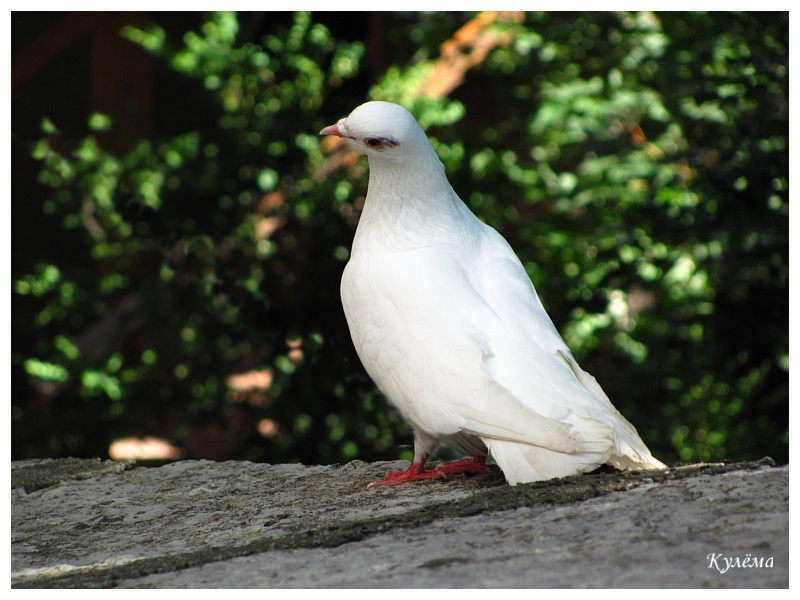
pixel 417 472
pixel 476 466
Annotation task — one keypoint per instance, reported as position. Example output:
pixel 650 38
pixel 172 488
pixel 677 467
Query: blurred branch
pixel 468 48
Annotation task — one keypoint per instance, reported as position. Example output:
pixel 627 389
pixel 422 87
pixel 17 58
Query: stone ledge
pixel 80 523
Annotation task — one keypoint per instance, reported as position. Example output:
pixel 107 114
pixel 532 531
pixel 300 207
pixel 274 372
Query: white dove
pixel 447 323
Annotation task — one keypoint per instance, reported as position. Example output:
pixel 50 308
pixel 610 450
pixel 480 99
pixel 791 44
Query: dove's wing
pixel 532 361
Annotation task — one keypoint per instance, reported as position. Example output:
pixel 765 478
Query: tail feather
pixel 522 463
pixel 626 458
pixel 630 452
pixel 597 444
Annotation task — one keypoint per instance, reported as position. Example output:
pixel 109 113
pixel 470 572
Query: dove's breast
pixel 409 342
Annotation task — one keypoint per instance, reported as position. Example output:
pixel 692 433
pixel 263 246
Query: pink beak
pixel 331 130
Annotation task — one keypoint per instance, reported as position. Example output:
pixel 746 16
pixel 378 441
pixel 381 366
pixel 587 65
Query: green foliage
pixel 639 169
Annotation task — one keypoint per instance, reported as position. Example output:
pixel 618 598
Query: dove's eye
pixel 379 143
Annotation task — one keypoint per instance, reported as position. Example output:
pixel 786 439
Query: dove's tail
pixel 597 443
pixel 630 452
pixel 522 463
pixel 627 458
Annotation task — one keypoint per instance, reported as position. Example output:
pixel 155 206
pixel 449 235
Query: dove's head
pixel 384 132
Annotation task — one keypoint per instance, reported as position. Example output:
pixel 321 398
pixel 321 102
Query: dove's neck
pixel 411 206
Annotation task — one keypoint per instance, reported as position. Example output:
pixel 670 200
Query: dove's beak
pixel 331 130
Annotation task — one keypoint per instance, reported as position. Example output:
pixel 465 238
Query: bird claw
pixel 400 477
pixel 474 466
pixel 417 472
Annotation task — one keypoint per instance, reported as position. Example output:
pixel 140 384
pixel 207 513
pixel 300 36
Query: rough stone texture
pixel 196 524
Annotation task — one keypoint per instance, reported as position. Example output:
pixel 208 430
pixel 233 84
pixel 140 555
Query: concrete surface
pixel 199 524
